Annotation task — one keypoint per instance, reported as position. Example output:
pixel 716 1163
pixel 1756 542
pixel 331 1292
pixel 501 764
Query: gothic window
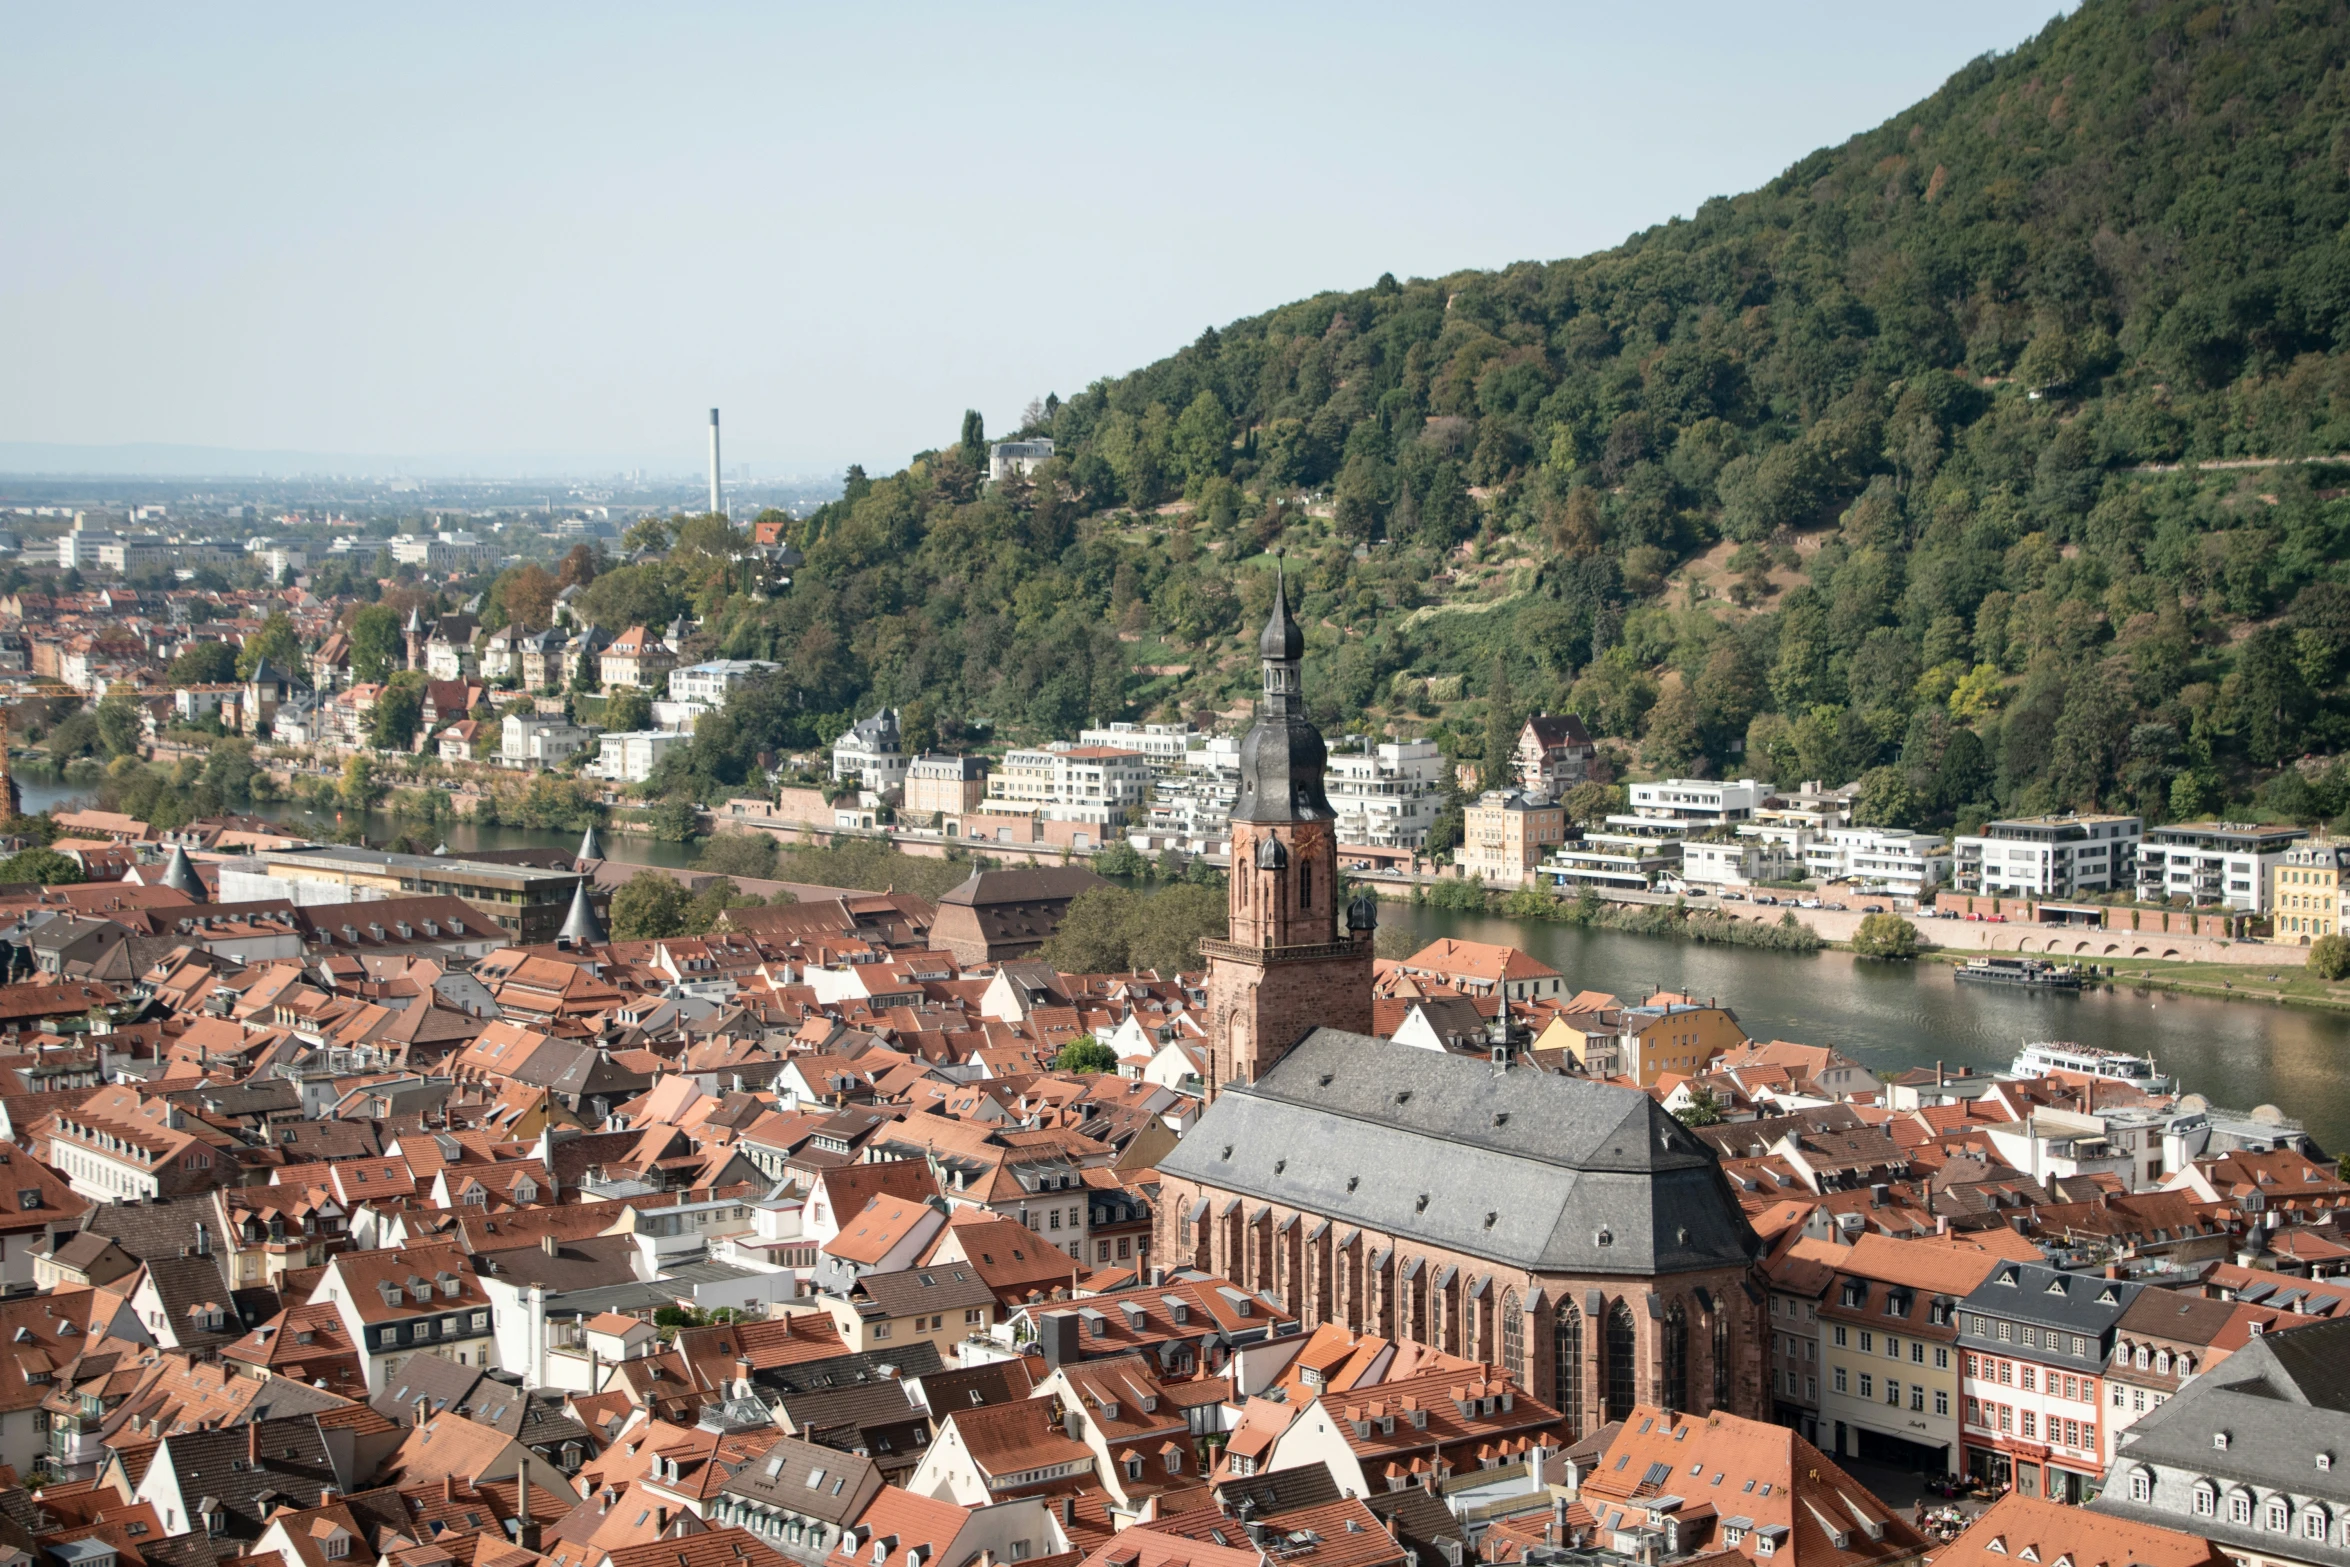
pixel 1721 1354
pixel 1305 884
pixel 1513 1338
pixel 1566 1371
pixel 1674 1391
pixel 1623 1352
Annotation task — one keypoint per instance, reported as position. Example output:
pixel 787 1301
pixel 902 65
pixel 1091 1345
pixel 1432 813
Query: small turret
pixel 581 928
pixel 591 848
pixel 180 875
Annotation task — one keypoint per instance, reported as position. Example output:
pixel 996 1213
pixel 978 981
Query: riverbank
pixel 2289 985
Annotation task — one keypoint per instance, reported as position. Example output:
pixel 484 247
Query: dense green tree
pixel 738 854
pixel 378 644
pixel 398 712
pixel 120 726
pixel 39 867
pixel 628 709
pixel 1885 936
pixel 649 905
pixel 203 664
pixel 2329 956
pixel 1085 1054
pixel 276 641
pixel 628 596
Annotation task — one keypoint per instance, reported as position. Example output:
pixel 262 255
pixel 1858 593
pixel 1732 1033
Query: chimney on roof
pixel 253 1443
pixel 551 1246
pixel 423 1409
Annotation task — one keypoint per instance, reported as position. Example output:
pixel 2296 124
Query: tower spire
pixel 581 927
pixel 10 794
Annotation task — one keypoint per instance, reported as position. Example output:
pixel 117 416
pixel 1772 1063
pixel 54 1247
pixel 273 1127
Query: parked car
pixel 1872 908
pixel 1833 904
pixel 1809 903
pixel 1728 896
pixel 1764 897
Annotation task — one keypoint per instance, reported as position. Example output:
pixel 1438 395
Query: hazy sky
pixel 505 230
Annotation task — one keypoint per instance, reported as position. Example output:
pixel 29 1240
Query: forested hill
pixel 1851 472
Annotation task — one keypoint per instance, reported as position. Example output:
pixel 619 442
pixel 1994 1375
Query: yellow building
pixel 2308 892
pixel 1667 1034
pixel 1506 834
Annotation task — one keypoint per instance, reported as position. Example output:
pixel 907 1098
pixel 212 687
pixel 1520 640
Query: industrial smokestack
pixel 715 508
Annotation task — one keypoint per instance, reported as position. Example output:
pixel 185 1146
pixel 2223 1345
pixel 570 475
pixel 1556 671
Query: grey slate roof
pixel 2061 1306
pixel 780 1478
pixel 2283 1404
pixel 1519 1167
pixel 295 1466
pixel 430 1376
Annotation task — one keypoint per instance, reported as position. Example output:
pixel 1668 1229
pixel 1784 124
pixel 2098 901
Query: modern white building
pixel 443 551
pixel 1698 801
pixel 2228 863
pixel 1166 745
pixel 1098 784
pixel 2048 856
pixel 1881 859
pixel 1386 795
pixel 537 740
pixel 1192 808
pixel 1734 862
pixel 712 682
pixel 631 757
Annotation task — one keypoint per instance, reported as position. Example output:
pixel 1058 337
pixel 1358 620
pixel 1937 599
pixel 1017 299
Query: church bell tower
pixel 1297 958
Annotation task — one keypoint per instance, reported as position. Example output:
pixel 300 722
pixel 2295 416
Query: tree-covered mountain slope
pixel 1875 470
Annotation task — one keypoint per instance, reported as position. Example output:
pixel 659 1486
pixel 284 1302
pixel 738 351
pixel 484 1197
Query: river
pixel 1888 1016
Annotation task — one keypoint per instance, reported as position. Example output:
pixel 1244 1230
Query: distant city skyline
pixel 522 240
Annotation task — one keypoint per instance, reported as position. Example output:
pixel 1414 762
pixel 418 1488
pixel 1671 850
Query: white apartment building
pixel 536 740
pixel 2048 856
pixel 2228 863
pixel 1192 808
pixel 1625 861
pixel 1881 859
pixel 872 753
pixel 140 554
pixel 1698 801
pixel 1734 862
pixel 712 682
pixel 1098 784
pixel 1166 745
pixel 1386 795
pixel 631 757
pixel 444 551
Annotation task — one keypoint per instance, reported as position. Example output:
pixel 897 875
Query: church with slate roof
pixel 1568 1232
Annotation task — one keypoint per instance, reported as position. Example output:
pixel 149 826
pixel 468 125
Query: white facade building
pixel 1166 745
pixel 536 740
pixel 1099 784
pixel 1698 801
pixel 712 682
pixel 631 757
pixel 2048 856
pixel 1387 795
pixel 2228 863
pixel 441 552
pixel 872 753
pixel 1887 859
